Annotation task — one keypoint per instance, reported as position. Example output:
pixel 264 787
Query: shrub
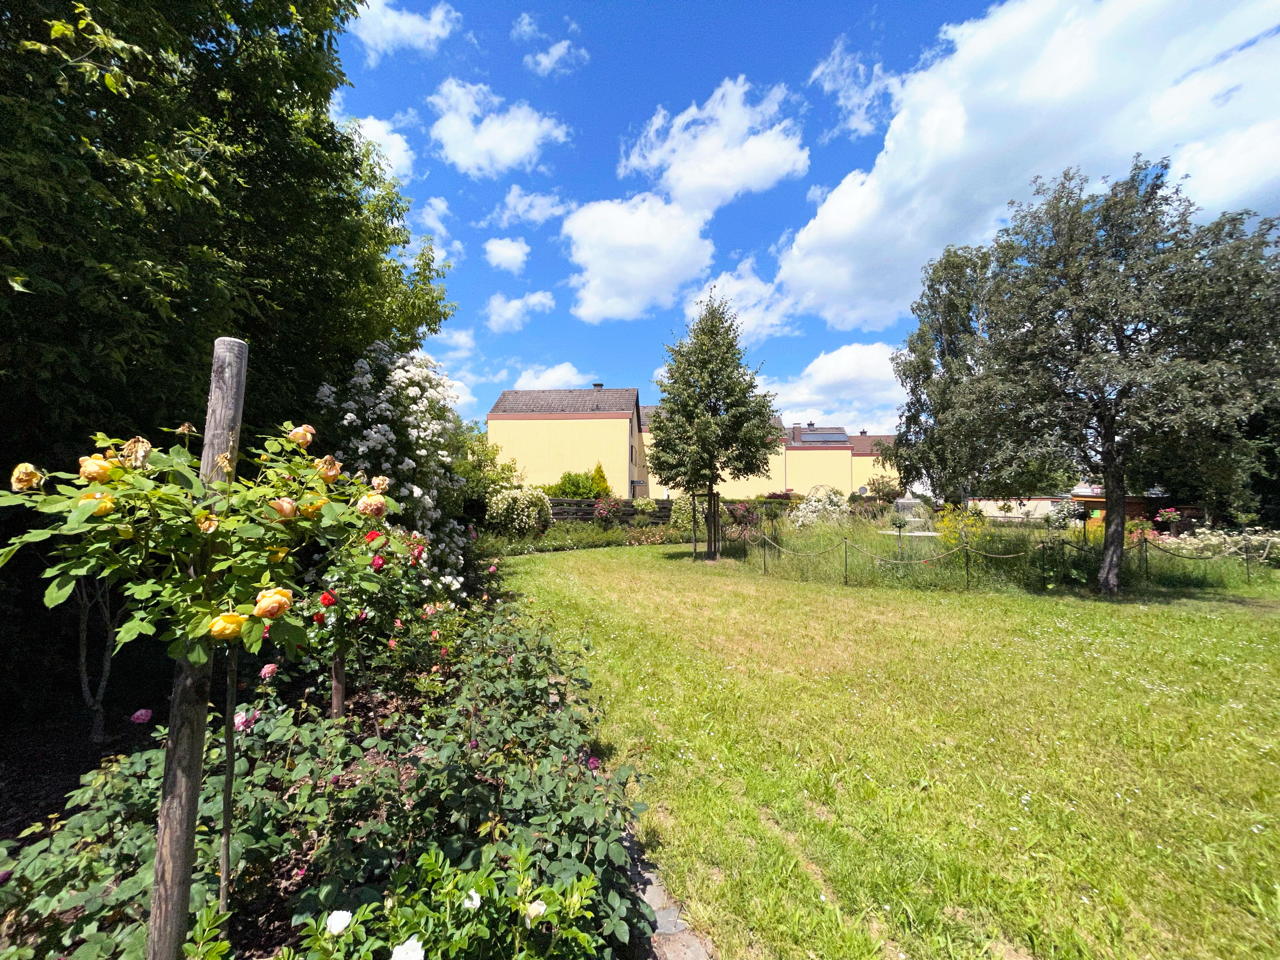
pixel 578 535
pixel 1062 514
pixel 607 509
pixel 682 512
pixel 600 483
pixel 743 514
pixel 884 488
pixel 821 506
pixel 572 486
pixel 956 524
pixel 644 505
pixel 519 512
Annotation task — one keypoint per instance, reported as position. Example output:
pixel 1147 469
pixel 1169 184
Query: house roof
pixel 590 400
pixel 861 444
pixel 646 414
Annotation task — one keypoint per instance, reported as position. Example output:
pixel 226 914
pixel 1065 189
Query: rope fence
pixel 1046 557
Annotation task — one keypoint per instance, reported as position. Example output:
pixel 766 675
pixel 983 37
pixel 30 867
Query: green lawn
pixel 881 772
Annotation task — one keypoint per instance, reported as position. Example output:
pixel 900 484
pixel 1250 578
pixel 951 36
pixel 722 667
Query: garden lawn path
pixel 893 773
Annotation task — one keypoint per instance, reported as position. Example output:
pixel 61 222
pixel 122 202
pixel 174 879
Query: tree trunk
pixel 713 525
pixel 1113 530
pixel 176 829
pixel 338 692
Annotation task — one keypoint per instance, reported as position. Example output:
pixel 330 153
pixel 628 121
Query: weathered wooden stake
pixel 189 702
pixel 846 561
pixel 228 780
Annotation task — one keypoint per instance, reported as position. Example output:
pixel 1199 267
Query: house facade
pixel 549 432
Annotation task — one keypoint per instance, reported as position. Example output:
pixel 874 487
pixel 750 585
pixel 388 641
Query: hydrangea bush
pixel 395 416
pixel 1259 543
pixel 519 512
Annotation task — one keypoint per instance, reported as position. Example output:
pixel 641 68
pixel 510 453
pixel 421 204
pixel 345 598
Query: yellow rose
pixel 106 503
pixel 286 507
pixel 226 626
pixel 273 602
pixel 277 554
pixel 95 469
pixel 380 484
pixel 303 435
pixel 207 523
pixel 136 452
pixel 328 468
pixel 313 507
pixel 372 505
pixel 24 477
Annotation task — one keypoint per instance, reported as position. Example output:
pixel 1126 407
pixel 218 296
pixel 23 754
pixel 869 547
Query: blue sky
pixel 591 169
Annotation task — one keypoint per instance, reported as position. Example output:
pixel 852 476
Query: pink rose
pixel 141 716
pixel 378 562
pixel 493 569
pixel 244 720
pixel 269 671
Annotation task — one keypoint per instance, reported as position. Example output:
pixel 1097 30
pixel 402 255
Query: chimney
pixel 597 386
pixel 810 424
pixel 862 433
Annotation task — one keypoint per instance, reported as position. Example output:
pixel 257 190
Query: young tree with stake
pixel 713 422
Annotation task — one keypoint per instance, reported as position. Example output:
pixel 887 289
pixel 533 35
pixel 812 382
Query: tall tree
pixel 712 421
pixel 1115 325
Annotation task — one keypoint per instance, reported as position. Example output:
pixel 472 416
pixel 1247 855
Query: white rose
pixel 472 900
pixel 338 921
pixel 531 913
pixel 411 949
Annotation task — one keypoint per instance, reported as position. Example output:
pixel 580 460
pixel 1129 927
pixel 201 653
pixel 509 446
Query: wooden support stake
pixel 846 561
pixel 189 702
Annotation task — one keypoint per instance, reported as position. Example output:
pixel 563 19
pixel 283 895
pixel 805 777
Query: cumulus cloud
pixel 852 386
pixel 763 311
pixel 633 255
pixel 520 207
pixel 383 29
pixel 393 147
pixel 707 155
pixel 453 343
pixel 506 253
pixel 865 94
pixel 481 140
pixel 507 316
pixel 1030 88
pixel 561 57
pixel 562 376
pixel 432 215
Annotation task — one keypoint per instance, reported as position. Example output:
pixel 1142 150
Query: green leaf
pixel 59 590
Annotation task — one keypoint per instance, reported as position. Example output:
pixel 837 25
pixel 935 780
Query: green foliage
pixel 483 471
pixel 712 422
pixel 1103 335
pixel 588 485
pixel 957 525
pixel 474 750
pixel 884 488
pixel 519 512
pixel 682 512
pixel 580 535
pixel 644 506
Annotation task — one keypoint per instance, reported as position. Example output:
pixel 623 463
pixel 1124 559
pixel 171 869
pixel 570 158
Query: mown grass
pixel 886 772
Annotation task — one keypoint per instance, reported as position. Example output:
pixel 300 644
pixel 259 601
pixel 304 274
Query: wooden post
pixel 693 522
pixel 189 702
pixel 965 542
pixel 1248 570
pixel 846 561
pixel 228 780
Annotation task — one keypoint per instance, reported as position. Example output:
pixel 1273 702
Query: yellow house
pixel 549 432
pixel 809 457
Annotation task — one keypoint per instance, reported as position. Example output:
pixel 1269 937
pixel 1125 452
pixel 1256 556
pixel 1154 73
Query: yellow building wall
pixel 807 469
pixel 863 469
pixel 772 481
pixel 545 449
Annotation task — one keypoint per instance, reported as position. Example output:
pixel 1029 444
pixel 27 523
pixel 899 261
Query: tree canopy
pixel 1104 334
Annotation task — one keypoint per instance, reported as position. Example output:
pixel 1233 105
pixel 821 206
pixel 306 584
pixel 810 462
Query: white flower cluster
pixel 823 505
pixel 1062 514
pixel 397 419
pixel 1259 543
pixel 518 512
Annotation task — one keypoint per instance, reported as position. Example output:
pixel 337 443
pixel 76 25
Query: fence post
pixel 964 542
pixel 764 549
pixel 189 702
pixel 693 524
pixel 1248 570
pixel 1146 563
pixel 846 561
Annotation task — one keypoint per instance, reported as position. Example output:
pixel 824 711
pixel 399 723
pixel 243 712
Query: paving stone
pixel 669 920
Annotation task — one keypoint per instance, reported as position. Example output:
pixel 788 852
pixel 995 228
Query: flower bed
pixel 577 535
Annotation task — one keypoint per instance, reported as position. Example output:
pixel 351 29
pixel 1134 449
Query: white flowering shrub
pixel 519 512
pixel 1062 514
pixel 823 505
pixel 1259 543
pixel 395 417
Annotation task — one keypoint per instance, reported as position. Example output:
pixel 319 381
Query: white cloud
pixel 762 310
pixel 432 215
pixel 482 141
pixel 817 193
pixel 865 94
pixel 707 155
pixel 397 155
pixel 518 206
pixel 560 57
pixel 506 253
pixel 1030 88
pixel 525 28
pixel 458 343
pixel 383 29
pixel 852 386
pixel 560 377
pixel 507 316
pixel 633 255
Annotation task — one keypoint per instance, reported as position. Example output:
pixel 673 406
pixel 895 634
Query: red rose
pixel 371 536
pixel 327 599
pixel 318 617
pixel 378 562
